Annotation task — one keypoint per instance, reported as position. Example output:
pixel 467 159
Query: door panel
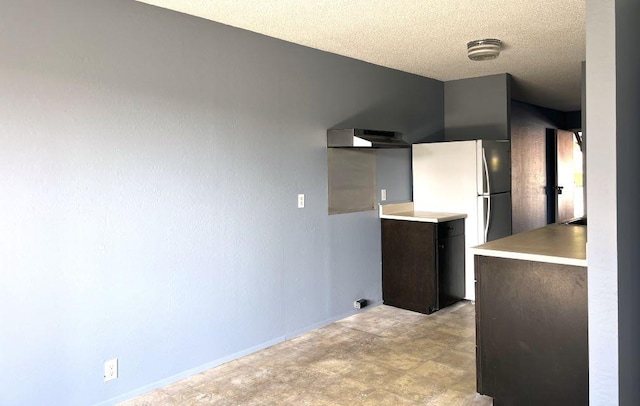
pixel 409 278
pixel 565 182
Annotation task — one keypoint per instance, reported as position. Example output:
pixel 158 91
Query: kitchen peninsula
pixel 531 317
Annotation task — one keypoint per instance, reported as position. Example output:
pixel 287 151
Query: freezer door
pixel 494 214
pixel 494 166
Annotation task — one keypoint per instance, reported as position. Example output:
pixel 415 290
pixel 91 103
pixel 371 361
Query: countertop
pixel 404 211
pixel 555 243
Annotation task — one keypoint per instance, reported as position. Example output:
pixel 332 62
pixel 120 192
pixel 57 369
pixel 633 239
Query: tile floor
pixel 383 356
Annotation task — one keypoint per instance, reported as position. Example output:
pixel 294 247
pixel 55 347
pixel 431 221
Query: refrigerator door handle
pixel 486 171
pixel 488 219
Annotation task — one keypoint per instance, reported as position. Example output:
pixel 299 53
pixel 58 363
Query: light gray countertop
pixel 404 211
pixel 555 243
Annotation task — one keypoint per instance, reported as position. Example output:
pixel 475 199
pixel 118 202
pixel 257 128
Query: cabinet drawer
pixel 450 228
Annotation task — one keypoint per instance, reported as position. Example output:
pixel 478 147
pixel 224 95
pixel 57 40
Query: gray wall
pixel 477 108
pixel 394 174
pixel 628 192
pixel 602 175
pixel 150 165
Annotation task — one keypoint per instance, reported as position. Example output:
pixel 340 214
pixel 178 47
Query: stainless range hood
pixel 360 138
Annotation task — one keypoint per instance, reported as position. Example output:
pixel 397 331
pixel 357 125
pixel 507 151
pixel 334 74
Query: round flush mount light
pixel 484 49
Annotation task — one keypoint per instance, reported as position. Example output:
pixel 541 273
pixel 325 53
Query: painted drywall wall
pixel 602 232
pixel 628 194
pixel 394 174
pixel 477 108
pixel 150 167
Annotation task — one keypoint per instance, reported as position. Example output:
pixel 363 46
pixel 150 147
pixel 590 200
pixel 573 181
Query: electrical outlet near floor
pixel 110 369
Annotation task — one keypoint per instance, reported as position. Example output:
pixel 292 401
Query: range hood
pixel 359 138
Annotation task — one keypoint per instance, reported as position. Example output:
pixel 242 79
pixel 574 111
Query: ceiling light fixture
pixel 484 49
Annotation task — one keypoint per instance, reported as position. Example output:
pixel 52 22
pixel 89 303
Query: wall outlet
pixel 110 369
pixel 383 195
pixel 359 304
pixel 300 201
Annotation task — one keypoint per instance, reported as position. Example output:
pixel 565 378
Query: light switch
pixel 383 195
pixel 301 201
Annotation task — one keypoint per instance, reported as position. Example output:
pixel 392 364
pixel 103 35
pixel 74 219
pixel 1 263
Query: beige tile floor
pixel 383 356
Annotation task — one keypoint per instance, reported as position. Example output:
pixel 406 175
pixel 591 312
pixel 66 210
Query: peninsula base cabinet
pixel 531 332
pixel 422 264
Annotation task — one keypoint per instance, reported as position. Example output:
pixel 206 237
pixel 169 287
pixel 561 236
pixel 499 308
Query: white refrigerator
pixel 471 177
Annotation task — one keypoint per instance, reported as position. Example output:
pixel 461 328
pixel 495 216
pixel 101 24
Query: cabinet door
pixel 409 277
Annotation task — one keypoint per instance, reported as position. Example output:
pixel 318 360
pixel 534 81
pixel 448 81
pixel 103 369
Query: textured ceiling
pixel 544 41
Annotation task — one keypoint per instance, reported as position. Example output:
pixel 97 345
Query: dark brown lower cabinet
pixel 422 264
pixel 531 332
